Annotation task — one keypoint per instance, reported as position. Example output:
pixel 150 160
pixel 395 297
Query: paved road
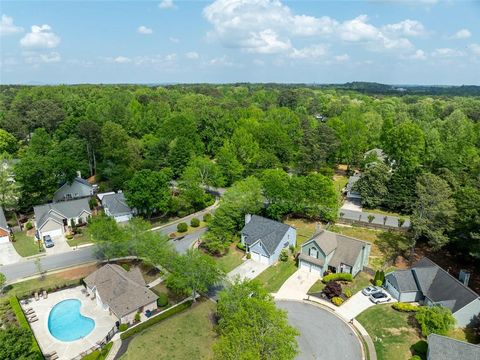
pixel 323 336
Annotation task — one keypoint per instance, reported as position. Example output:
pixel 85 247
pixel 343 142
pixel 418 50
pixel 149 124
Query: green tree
pixel 251 326
pixel 467 221
pixel 111 242
pixel 434 212
pixel 89 131
pixel 405 144
pixel 203 172
pixel 16 344
pixel 194 272
pixel 232 169
pixel 372 185
pixel 9 189
pixel 8 143
pixel 435 320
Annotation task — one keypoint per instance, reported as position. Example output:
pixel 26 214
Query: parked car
pixel 48 242
pixel 371 290
pixel 379 297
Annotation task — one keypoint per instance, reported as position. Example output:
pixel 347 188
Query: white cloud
pixel 7 27
pixel 174 40
pixel 192 55
pixel 312 52
pixel 418 55
pixel 475 48
pixel 447 53
pixel 144 30
pixel 122 60
pixel 342 58
pixel 40 37
pixel 406 28
pixel 32 57
pixel 222 61
pixel 461 34
pixel 167 4
pixel 265 42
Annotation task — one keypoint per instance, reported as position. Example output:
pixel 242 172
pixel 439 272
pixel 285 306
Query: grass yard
pixel 340 181
pixel 172 297
pixel 274 276
pixel 230 260
pixel 25 245
pixel 188 335
pixel 99 354
pixel 391 332
pixel 305 229
pixel 362 280
pixel 190 230
pixel 80 239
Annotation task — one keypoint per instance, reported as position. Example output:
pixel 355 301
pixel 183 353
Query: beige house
pixel 122 293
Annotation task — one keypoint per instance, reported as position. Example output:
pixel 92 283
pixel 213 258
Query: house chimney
pixel 318 227
pixel 464 276
pixel 248 217
pixel 79 174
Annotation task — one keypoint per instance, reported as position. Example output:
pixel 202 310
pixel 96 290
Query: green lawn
pixel 231 259
pixel 188 335
pixel 391 332
pixel 80 239
pixel 340 181
pixel 274 276
pixel 172 297
pixel 25 244
pixel 362 280
pixel 305 229
pixel 190 230
pixel 99 354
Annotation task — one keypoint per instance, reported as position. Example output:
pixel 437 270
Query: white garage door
pixel 311 267
pixel 122 218
pixel 4 239
pixel 53 233
pixel 305 265
pixel 260 258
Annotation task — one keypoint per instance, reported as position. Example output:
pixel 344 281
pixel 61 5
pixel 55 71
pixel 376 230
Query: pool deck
pixel 69 350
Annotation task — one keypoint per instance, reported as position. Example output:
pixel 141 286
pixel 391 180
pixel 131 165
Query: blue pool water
pixel 66 323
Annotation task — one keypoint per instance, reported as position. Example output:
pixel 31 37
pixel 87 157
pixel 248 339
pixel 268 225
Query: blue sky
pixel 396 42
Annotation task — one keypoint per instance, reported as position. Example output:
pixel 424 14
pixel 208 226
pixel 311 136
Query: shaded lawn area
pixel 188 335
pixel 274 276
pixel 230 260
pixel 172 297
pixel 340 181
pixel 64 278
pixel 80 239
pixel 305 229
pixel 362 280
pixel 25 244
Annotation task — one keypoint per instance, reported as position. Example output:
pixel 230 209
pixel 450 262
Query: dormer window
pixel 313 253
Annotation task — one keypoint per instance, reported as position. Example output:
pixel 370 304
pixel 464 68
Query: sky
pixel 221 41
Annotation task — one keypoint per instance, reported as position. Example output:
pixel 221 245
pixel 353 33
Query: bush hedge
pixel 416 357
pixel 337 277
pixel 162 300
pixel 405 307
pixel 240 246
pixel 337 301
pixel 123 327
pixel 156 319
pixel 420 348
pixel 28 226
pixel 194 222
pixel 22 320
pixel 207 217
pixel 249 255
pixel 347 292
pixel 182 227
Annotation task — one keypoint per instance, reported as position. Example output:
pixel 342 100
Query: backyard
pixel 25 245
pixel 188 335
pixel 231 259
pixel 274 276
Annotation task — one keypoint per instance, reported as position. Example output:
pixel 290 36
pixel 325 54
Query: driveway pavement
pixel 351 308
pixel 182 244
pixel 297 285
pixel 323 335
pixel 351 205
pixel 61 246
pixel 248 270
pixel 8 254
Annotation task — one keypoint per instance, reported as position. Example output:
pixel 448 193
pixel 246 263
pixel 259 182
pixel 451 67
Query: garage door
pixel 260 258
pixel 305 265
pixel 53 233
pixel 311 267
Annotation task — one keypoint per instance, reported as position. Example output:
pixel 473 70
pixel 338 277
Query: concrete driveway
pixel 250 269
pixel 61 246
pixel 323 335
pixel 351 308
pixel 8 254
pixel 297 285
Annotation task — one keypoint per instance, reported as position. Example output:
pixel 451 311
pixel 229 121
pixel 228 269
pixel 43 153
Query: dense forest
pixel 281 143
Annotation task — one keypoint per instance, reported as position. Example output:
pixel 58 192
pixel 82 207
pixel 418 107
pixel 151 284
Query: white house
pixel 53 219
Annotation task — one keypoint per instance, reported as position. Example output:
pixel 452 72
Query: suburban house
pixel 351 194
pixel 445 348
pixel 327 250
pixel 4 229
pixel 264 238
pixel 115 206
pixel 429 284
pixel 53 219
pixel 78 188
pixel 122 293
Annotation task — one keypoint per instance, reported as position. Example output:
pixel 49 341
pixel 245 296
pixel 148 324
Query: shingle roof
pixel 65 209
pixel 311 259
pixel 271 232
pixel 402 280
pixel 3 220
pixel 445 348
pixel 116 204
pixel 123 291
pixel 326 240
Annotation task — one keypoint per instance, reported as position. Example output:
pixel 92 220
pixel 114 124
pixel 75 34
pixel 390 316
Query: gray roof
pixel 78 187
pixel 123 291
pixel 349 187
pixel 311 259
pixel 346 248
pixel 116 204
pixel 270 232
pixel 378 153
pixel 3 220
pixel 445 348
pixel 435 283
pixel 61 210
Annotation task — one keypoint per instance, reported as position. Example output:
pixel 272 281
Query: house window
pixel 68 196
pixel 313 253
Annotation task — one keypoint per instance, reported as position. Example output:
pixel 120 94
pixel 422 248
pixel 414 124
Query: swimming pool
pixel 66 323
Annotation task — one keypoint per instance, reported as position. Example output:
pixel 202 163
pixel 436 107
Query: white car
pixel 371 290
pixel 379 297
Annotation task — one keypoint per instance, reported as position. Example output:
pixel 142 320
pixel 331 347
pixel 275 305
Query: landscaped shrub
pixel 405 307
pixel 92 203
pixel 332 289
pixel 283 255
pixel 123 327
pixel 156 319
pixel 378 283
pixel 249 255
pixel 162 300
pixel 22 320
pixel 416 357
pixel 28 226
pixel 292 249
pixel 347 292
pixel 182 227
pixel 240 246
pixel 337 301
pixel 137 317
pixel 207 217
pixel 337 277
pixel 379 278
pixel 435 320
pixel 69 236
pixel 126 267
pixel 194 222
pixel 420 348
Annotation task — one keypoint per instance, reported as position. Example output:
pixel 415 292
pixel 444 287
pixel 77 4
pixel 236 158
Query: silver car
pixel 371 290
pixel 379 297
